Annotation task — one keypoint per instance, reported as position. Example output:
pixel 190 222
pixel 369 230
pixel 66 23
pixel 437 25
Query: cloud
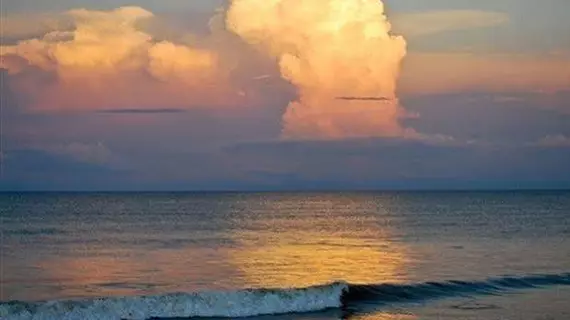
pixel 363 98
pixel 105 61
pixel 99 39
pixel 328 48
pixel 558 140
pixel 439 72
pixel 16 27
pixel 491 118
pixel 433 22
pixel 143 111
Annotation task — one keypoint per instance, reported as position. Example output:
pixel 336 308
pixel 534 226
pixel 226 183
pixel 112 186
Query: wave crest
pixel 254 302
pixel 242 303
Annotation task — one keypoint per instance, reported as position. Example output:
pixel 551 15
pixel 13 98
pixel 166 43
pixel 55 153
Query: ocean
pixel 329 255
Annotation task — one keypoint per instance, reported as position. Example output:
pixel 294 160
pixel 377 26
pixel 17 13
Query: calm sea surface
pixel 457 255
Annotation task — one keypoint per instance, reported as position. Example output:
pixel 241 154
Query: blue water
pixel 384 255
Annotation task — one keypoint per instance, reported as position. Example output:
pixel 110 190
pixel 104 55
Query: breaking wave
pixel 242 303
pixel 253 302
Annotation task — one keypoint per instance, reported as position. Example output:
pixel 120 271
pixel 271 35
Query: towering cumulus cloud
pixel 105 60
pixel 340 55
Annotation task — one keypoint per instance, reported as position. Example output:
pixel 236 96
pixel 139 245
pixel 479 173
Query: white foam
pixel 241 303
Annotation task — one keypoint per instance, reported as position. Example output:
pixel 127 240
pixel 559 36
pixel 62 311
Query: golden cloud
pixel 104 61
pixel 329 48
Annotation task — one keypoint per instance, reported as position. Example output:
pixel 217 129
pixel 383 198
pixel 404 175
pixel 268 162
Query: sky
pixel 284 95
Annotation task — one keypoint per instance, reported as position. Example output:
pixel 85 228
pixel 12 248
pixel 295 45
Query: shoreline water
pixel 420 247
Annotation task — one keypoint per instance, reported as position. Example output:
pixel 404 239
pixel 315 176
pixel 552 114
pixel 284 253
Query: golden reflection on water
pixel 316 258
pixel 326 240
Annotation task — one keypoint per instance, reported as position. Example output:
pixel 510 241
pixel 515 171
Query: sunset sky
pixel 285 94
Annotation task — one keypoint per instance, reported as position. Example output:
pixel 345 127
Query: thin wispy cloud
pixel 364 98
pixel 143 111
pixel 433 22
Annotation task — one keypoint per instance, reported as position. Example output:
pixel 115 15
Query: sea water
pixel 342 255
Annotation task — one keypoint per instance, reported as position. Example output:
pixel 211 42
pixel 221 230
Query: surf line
pixel 257 302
